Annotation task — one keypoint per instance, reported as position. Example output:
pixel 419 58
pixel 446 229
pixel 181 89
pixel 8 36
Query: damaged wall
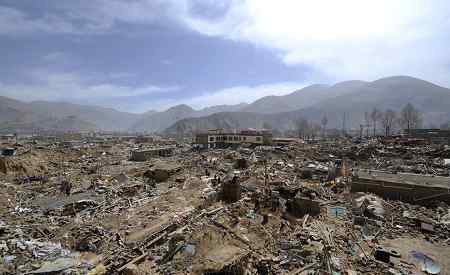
pixel 401 191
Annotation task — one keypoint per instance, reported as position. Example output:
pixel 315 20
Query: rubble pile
pixel 89 209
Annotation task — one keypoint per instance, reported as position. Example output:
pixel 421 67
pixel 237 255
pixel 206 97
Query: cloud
pixel 72 87
pixel 344 39
pixel 339 40
pixel 121 75
pixel 228 96
pixel 240 94
pixel 350 39
pixel 166 62
pixel 61 86
pixel 88 17
pixel 15 22
pixel 56 57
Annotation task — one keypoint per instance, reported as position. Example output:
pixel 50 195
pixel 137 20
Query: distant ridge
pixel 313 102
pixel 353 98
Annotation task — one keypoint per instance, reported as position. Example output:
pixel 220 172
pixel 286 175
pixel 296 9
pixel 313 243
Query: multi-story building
pixel 220 138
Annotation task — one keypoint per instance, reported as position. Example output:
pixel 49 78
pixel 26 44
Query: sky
pixel 141 55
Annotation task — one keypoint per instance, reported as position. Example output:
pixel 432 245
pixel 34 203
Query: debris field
pixel 330 207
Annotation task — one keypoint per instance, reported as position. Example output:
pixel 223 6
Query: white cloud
pixel 228 96
pixel 73 87
pixel 88 17
pixel 56 57
pixel 16 22
pixel 344 39
pixel 57 86
pixel 240 94
pixel 351 39
pixel 166 62
pixel 120 75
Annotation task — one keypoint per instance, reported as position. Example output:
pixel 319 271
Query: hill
pixel 104 118
pixel 155 122
pixel 353 98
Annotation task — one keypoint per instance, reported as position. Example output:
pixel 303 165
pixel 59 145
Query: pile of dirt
pixel 22 167
pixel 215 250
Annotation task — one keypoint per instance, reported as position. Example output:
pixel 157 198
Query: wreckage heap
pixel 304 209
pixel 407 187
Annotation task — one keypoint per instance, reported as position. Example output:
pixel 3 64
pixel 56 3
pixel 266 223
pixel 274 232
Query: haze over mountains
pixel 158 121
pixel 352 98
pixel 20 116
pixel 313 102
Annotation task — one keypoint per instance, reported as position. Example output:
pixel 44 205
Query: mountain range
pixel 159 121
pixel 350 99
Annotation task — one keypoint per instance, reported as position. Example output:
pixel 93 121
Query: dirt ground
pixel 439 253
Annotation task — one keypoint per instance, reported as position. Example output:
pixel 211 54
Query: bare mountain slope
pixel 161 120
pixel 103 118
pixel 302 98
pixel 392 92
pixel 353 99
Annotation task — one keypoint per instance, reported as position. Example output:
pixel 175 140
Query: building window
pixel 236 138
pixel 245 138
pixel 211 139
pixel 258 139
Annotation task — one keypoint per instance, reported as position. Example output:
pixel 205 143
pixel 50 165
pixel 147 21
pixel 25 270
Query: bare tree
pixel 387 120
pixel 266 125
pixel 410 117
pixel 314 129
pixel 367 120
pixel 324 123
pixel 375 116
pixel 302 127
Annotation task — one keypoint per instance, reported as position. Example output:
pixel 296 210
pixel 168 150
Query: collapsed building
pixel 243 210
pixel 407 187
pixel 284 141
pixel 438 136
pixel 147 154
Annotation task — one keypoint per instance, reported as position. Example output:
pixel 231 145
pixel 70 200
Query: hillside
pixel 393 92
pixel 103 118
pixel 352 98
pixel 313 102
pixel 65 124
pixel 296 100
pixel 302 98
pixel 14 111
pixel 21 116
pixel 159 121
